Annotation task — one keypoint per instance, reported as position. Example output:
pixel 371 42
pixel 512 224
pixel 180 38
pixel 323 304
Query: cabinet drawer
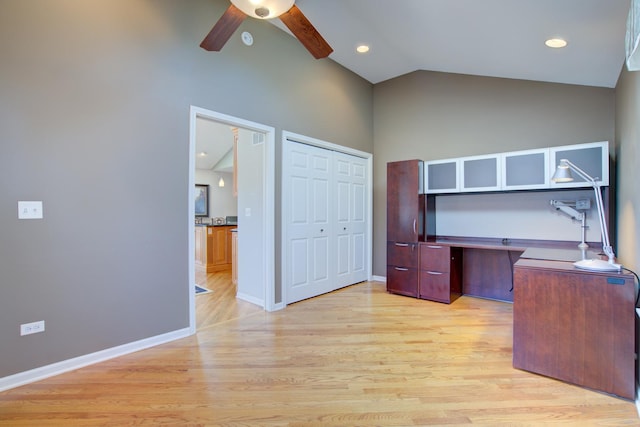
pixel 403 281
pixel 436 286
pixel 435 257
pixel 402 254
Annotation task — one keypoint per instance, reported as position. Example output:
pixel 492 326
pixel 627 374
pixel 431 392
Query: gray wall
pixel 430 115
pixel 628 155
pixel 94 121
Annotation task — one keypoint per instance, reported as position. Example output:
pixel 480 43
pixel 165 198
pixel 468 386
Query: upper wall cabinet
pixel 480 173
pixel 592 158
pixel 525 170
pixel 441 176
pixel 517 170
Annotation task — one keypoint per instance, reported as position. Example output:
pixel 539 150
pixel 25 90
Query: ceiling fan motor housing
pixel 264 9
pixel 262 12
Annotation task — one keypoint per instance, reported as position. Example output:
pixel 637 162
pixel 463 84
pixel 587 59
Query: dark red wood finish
pixel 574 325
pixel 402 280
pixel 488 273
pixel 402 254
pixel 440 272
pixel 405 225
pixel 403 202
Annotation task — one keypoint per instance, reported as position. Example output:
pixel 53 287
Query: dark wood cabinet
pixel 405 225
pixel 402 268
pixel 575 325
pixel 440 273
pixel 405 212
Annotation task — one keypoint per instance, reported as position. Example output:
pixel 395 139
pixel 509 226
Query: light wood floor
pixel 355 357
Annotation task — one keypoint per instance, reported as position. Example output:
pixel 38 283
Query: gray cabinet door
pixel 480 173
pixel 441 176
pixel 525 170
pixel 592 158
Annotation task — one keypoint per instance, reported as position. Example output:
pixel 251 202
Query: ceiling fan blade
pixel 300 26
pixel 224 29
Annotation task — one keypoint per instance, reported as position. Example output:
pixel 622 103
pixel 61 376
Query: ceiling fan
pixel 286 10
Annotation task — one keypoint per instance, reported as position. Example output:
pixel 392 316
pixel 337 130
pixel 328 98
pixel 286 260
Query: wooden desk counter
pixel 575 325
pixel 487 263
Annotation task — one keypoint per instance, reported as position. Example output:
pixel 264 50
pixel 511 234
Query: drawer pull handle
pixel 434 247
pixel 435 273
pixel 401 269
pixel 402 244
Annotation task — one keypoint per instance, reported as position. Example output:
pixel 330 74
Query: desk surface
pixel 560 254
pixel 520 245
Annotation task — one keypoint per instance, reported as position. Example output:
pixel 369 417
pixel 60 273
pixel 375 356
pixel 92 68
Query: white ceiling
pixel 216 140
pixel 498 38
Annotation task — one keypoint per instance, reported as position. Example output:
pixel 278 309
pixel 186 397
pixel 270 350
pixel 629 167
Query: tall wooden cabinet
pixel 405 225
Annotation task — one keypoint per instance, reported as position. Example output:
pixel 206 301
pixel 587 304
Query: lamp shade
pixel 263 9
pixel 562 173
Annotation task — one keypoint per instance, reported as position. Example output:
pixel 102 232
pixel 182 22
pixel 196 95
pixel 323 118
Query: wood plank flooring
pixel 356 357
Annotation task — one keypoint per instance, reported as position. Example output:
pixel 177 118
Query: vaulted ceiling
pixel 498 38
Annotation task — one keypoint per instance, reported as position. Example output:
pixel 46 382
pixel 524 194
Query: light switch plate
pixel 29 210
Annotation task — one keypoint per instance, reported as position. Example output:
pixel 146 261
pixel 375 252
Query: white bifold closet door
pixel 325 194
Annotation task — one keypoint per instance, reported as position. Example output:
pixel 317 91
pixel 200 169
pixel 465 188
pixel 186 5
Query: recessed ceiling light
pixel 202 154
pixel 556 43
pixel 363 48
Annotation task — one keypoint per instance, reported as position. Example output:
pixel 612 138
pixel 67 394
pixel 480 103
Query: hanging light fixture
pixel 221 182
pixel 263 9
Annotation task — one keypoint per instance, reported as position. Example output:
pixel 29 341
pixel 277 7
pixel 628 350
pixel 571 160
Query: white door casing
pixel 267 263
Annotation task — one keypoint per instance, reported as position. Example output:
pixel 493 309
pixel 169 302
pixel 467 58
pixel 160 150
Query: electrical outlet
pixel 583 204
pixel 32 328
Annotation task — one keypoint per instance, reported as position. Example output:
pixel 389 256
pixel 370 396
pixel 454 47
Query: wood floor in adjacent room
pixel 355 357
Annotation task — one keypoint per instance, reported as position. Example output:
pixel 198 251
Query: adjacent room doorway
pixel 255 210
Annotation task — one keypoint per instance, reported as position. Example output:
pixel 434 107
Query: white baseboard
pixel 379 279
pixel 47 371
pixel 278 306
pixel 251 299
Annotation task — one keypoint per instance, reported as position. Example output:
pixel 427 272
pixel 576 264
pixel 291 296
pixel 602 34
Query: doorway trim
pixel 268 220
pixel 294 137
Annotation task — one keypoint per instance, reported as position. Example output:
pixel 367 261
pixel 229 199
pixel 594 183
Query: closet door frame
pixel 285 202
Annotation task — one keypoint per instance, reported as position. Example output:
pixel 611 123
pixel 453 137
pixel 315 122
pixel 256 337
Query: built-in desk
pixel 487 263
pixel 574 325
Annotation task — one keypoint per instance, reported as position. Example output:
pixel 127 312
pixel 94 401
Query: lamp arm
pixel 606 245
pixel 580 172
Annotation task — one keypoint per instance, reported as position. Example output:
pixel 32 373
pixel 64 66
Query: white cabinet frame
pixel 576 154
pixel 433 185
pixel 470 166
pixel 523 160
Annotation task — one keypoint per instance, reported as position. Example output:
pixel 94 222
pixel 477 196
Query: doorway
pixel 256 282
